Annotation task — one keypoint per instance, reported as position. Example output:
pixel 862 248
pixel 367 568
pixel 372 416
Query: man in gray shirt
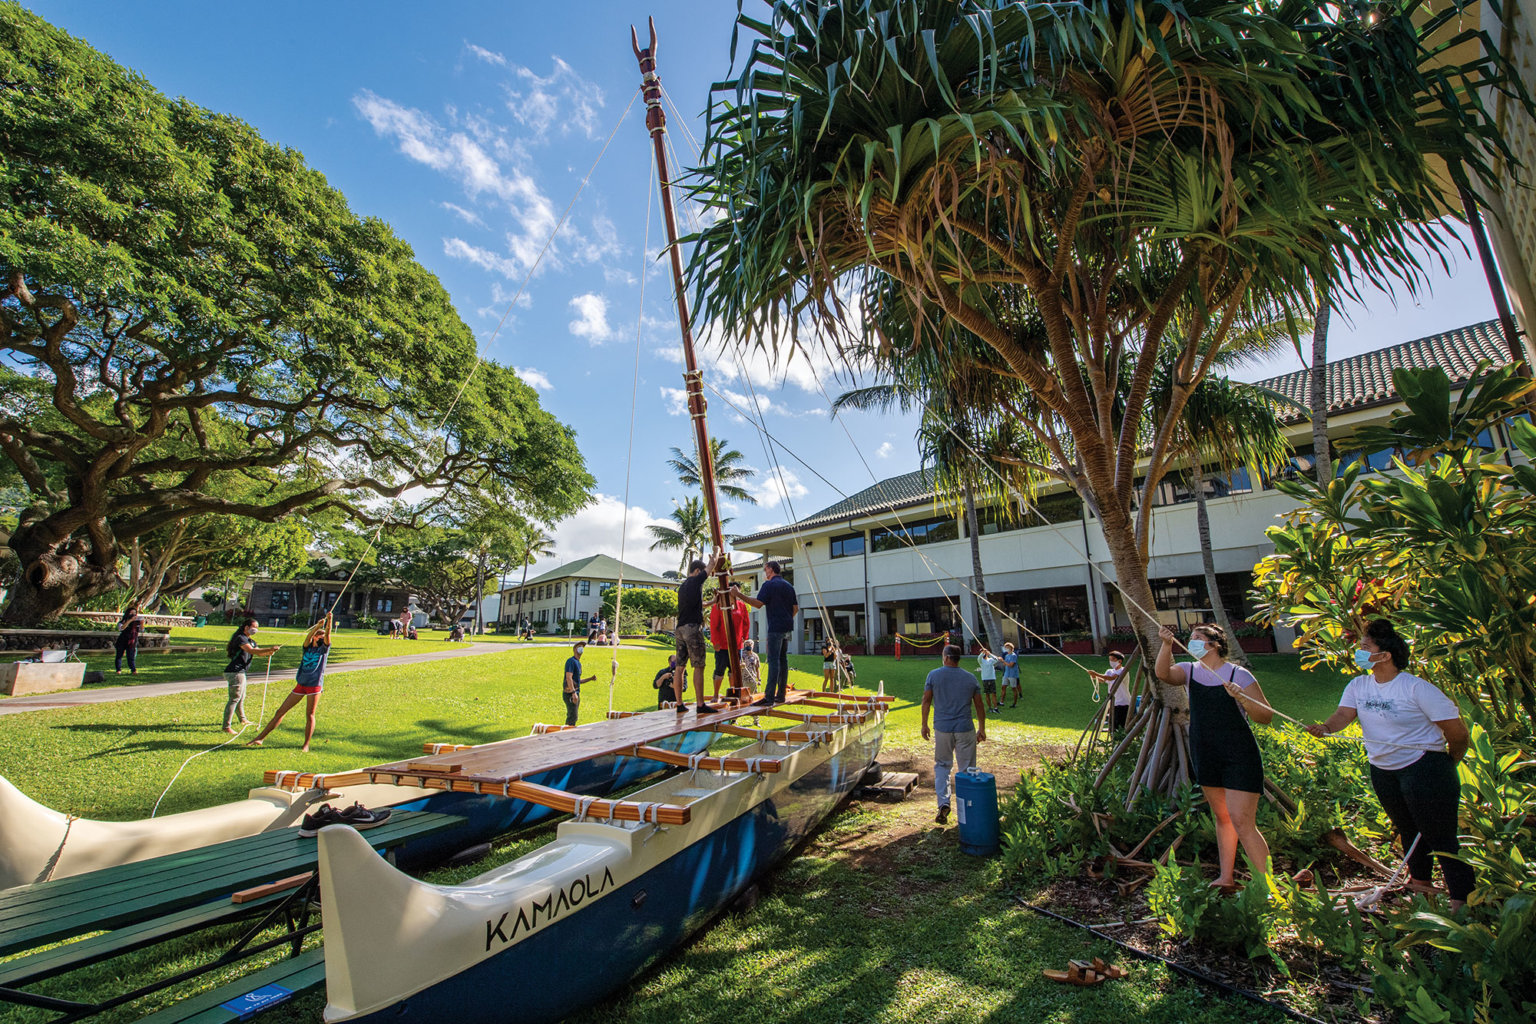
pixel 951 692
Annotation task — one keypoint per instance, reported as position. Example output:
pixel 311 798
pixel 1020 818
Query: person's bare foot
pixel 228 729
pixel 245 721
pixel 304 749
pixel 254 743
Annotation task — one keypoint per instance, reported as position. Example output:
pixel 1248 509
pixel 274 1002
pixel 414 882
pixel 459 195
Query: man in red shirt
pixel 717 637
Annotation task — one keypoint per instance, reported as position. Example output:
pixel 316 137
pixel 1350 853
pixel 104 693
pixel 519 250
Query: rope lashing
pixel 583 804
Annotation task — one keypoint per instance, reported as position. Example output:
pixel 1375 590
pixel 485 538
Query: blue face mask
pixel 1363 659
pixel 1196 647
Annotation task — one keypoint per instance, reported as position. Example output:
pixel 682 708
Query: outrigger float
pixel 39 843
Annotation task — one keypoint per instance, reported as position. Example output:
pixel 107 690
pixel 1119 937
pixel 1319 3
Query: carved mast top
pixel 693 379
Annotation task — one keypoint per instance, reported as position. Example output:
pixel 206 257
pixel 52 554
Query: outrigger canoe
pixel 622 883
pixel 39 843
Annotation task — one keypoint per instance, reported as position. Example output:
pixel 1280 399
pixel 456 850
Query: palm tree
pixel 949 435
pixel 691 533
pixel 531 545
pixel 1317 387
pixel 1068 182
pixel 731 470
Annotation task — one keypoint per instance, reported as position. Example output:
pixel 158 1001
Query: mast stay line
pixel 693 377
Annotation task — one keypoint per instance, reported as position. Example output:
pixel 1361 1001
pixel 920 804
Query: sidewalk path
pixel 104 694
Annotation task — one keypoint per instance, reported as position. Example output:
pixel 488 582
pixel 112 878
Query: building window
pixel 384 604
pixel 848 544
pixel 603 588
pixel 281 600
pixel 927 531
pixel 557 590
pixel 584 588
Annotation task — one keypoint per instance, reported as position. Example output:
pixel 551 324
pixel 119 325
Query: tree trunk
pixel 1208 563
pixel 1160 754
pixel 521 587
pixel 480 593
pixel 53 577
pixel 1317 394
pixel 978 581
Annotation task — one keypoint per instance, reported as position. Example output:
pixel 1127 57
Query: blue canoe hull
pixel 590 955
pixel 486 817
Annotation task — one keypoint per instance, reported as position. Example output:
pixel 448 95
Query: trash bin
pixel 976 812
pixel 202 620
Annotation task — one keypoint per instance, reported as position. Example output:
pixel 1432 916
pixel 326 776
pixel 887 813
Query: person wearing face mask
pixel 1414 737
pixel 1226 759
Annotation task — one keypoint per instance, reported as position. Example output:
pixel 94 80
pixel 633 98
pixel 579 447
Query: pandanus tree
pixel 1068 181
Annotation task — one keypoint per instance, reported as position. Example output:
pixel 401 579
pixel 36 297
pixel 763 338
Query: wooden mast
pixel 693 378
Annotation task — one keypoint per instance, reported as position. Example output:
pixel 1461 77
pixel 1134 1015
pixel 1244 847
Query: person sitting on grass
pixel 456 634
pixel 307 682
pixel 241 649
pixel 663 683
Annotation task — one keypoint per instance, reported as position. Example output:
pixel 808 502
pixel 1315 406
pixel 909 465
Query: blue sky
pixel 470 127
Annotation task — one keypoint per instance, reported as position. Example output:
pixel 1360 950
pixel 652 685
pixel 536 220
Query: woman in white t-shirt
pixel 1414 736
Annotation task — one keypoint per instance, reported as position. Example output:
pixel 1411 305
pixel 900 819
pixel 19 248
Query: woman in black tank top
pixel 1222 697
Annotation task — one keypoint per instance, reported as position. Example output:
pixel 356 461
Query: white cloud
pixel 768 489
pixel 885 449
pixel 677 401
pixel 489 56
pixel 533 378
pixel 562 97
pixel 592 318
pixel 478 172
pixel 500 298
pixel 597 530
pixel 468 216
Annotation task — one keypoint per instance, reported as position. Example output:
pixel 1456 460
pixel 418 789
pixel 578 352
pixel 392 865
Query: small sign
pixel 960 811
pixel 249 1005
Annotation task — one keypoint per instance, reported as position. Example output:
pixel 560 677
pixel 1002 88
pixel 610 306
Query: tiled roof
pixel 1356 382
pixel 1365 380
pixel 893 492
pixel 597 567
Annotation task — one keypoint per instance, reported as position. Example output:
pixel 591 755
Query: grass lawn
pixel 879 919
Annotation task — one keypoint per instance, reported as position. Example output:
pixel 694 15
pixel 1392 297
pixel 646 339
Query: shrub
pixel 1191 908
pixel 75 622
pixel 299 619
pixel 368 622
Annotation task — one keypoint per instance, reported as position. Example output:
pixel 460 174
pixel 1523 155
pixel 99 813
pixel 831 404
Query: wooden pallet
pixel 892 787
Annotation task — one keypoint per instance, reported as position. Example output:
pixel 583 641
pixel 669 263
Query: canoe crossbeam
pixel 693 762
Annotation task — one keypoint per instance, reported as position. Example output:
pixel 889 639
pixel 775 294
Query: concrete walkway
pixel 105 694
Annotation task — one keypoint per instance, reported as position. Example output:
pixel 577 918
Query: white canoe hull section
pixel 31 834
pixel 389 936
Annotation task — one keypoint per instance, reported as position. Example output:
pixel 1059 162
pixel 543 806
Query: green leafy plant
pixel 1191 908
pixel 298 619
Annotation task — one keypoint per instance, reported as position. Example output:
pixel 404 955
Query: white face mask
pixel 1197 647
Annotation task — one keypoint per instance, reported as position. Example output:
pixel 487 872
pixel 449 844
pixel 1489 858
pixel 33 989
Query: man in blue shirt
pixel 777 595
pixel 573 681
pixel 950 693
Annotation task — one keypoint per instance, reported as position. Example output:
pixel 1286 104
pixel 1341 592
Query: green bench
pixel 250 994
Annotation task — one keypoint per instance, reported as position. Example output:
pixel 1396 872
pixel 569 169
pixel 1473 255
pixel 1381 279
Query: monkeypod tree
pixel 1068 182
pixel 183 303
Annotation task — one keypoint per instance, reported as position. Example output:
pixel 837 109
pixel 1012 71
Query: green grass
pixel 876 920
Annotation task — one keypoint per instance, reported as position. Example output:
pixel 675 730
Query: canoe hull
pixel 599 917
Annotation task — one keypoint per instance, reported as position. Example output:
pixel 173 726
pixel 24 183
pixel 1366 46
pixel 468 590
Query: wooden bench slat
pixel 49 963
pixel 293 976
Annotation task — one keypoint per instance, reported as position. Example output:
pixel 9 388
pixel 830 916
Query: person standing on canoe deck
pixel 719 638
pixel 572 689
pixel 779 598
pixel 951 693
pixel 1414 738
pixel 690 631
pixel 241 649
pixel 129 628
pixel 1227 766
pixel 307 682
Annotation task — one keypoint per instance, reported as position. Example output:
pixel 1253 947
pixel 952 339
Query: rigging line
pixel 629 453
pixel 511 304
pixel 259 715
pixel 828 626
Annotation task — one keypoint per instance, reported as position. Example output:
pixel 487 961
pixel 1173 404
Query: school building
pixel 892 560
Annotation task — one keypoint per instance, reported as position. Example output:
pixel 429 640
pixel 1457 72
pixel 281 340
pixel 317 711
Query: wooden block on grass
pixel 892 786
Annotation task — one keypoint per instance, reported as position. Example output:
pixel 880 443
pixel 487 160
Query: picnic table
pixel 266 879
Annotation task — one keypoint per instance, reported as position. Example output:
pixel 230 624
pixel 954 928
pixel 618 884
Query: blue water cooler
pixel 976 812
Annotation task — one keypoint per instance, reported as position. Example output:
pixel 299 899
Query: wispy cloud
pixel 489 56
pixel 467 216
pixel 677 401
pixel 533 378
pixel 885 449
pixel 772 487
pixel 562 98
pixel 591 318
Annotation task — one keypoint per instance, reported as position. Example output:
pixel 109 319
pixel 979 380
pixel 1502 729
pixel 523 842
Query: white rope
pixel 259 716
pixel 583 804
